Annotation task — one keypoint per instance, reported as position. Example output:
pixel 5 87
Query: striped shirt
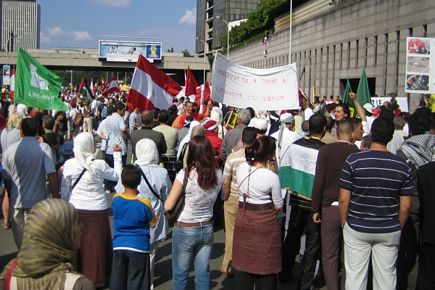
pixel 376 180
pixel 230 169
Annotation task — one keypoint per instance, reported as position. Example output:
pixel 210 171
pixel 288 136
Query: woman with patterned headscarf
pixel 47 257
pixel 86 174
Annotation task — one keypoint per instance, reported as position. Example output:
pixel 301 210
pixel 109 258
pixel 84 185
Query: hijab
pixel 186 139
pixel 146 152
pixel 47 252
pixel 84 149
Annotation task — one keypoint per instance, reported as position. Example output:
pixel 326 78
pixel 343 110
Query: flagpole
pixel 290 33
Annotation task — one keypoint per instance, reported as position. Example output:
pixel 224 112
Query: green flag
pixel 363 92
pixel 35 85
pixel 345 99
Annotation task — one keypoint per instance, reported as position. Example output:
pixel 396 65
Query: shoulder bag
pixel 173 214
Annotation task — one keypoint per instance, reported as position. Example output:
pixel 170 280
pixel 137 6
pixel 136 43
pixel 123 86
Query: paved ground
pixel 163 272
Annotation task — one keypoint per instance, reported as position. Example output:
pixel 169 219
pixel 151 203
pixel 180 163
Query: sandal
pixel 7 226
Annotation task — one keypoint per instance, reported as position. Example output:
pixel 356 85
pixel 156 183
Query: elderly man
pixel 234 135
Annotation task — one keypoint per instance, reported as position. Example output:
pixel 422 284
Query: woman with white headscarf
pixel 158 178
pixel 82 185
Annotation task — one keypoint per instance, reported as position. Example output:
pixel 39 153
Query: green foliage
pixel 258 21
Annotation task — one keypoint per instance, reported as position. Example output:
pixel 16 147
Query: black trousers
pixel 426 267
pixel 247 281
pixel 300 220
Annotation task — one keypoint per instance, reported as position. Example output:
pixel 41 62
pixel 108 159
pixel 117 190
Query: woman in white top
pixel 192 236
pixel 148 160
pixel 257 236
pixel 90 200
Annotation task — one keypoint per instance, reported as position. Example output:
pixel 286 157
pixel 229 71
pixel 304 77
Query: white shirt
pixel 101 130
pixel 114 127
pixel 89 194
pixel 198 203
pixel 288 137
pixel 264 185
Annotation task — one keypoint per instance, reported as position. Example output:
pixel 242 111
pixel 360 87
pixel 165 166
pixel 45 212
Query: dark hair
pixel 345 127
pixel 163 116
pixel 147 118
pixel 262 150
pixel 48 122
pixel 110 110
pixel 382 130
pixel 386 113
pixel 131 176
pixel 119 106
pixel 355 122
pixel 251 111
pixel 58 113
pixel 317 123
pixel 201 157
pixel 249 134
pixel 345 108
pixel 29 127
pixel 419 121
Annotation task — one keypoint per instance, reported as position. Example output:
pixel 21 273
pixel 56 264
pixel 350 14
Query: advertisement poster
pixel 6 74
pixel 129 51
pixel 262 89
pixel 420 65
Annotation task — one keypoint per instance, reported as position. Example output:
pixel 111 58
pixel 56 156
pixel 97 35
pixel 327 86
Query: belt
pixel 256 207
pixel 193 225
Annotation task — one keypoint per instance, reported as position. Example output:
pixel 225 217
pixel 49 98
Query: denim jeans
pixel 130 270
pixel 191 244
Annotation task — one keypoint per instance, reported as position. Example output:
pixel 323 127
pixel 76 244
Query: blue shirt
pixel 376 180
pixel 133 217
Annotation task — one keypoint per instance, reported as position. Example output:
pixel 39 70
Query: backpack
pixel 78 120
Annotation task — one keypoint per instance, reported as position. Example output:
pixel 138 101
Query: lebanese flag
pixel 92 87
pixel 110 87
pixel 150 87
pixel 85 91
pixel 12 84
pixel 206 93
pixel 190 83
pixel 302 96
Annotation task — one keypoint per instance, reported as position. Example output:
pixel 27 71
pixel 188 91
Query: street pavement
pixel 163 273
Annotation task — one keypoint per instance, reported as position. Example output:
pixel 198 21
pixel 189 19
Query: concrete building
pixel 212 18
pixel 333 40
pixel 20 24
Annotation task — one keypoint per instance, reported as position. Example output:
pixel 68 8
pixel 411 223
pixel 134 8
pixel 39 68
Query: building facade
pixel 20 24
pixel 212 18
pixel 335 40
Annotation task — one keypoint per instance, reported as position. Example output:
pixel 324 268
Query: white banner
pixel 401 101
pixel 262 89
pixel 420 65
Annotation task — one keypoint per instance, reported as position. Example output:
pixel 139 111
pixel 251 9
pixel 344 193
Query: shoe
pixel 7 226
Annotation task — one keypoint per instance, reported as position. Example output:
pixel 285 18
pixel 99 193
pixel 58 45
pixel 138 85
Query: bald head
pixel 344 130
pixel 147 118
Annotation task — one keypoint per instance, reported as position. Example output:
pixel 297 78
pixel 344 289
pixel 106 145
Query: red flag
pixel 302 96
pixel 207 92
pixel 190 83
pixel 110 87
pixel 151 87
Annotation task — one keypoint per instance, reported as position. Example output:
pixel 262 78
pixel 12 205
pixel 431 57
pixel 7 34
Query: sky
pixel 81 23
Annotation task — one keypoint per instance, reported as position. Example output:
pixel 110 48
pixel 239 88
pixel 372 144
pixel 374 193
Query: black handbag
pixel 173 214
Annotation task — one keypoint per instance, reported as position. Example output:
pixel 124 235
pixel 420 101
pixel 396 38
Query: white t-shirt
pixel 198 203
pixel 264 185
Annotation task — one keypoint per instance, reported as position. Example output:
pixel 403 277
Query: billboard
pixel 420 65
pixel 129 51
pixel 6 74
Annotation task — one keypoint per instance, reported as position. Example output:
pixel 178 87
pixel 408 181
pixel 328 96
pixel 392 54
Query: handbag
pixel 173 214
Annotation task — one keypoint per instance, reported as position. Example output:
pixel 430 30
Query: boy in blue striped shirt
pixel 132 218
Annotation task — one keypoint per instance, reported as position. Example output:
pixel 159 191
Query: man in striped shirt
pixel 375 198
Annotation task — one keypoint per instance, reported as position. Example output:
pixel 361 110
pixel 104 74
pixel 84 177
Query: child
pixel 132 217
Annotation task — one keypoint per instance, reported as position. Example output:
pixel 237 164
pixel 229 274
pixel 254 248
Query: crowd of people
pixel 347 193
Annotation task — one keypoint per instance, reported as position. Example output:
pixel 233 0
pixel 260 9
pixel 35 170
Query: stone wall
pixel 339 42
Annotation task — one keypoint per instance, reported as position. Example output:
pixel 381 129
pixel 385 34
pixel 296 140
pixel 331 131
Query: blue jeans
pixel 130 271
pixel 191 244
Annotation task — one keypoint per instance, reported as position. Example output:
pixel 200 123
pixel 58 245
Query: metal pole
pixel 228 40
pixel 290 34
pixel 203 69
pixel 72 80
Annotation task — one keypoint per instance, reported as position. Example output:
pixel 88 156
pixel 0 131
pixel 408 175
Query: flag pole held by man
pixel 35 85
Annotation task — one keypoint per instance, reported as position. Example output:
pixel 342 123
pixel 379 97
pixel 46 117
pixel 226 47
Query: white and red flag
pixel 150 87
pixel 110 87
pixel 12 84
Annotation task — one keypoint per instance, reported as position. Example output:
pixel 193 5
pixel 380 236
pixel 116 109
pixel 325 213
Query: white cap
pixel 287 118
pixel 258 123
pixel 368 107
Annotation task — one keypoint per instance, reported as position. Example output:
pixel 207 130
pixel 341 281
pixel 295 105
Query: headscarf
pixel 146 152
pixel 84 149
pixel 186 138
pixel 47 252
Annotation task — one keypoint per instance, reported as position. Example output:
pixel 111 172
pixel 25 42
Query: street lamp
pixel 228 35
pixel 203 57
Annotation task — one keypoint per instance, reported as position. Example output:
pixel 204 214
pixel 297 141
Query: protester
pixel 132 217
pixel 168 132
pixel 374 206
pixel 257 236
pixel 46 259
pixel 82 185
pixel 233 136
pixel 192 236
